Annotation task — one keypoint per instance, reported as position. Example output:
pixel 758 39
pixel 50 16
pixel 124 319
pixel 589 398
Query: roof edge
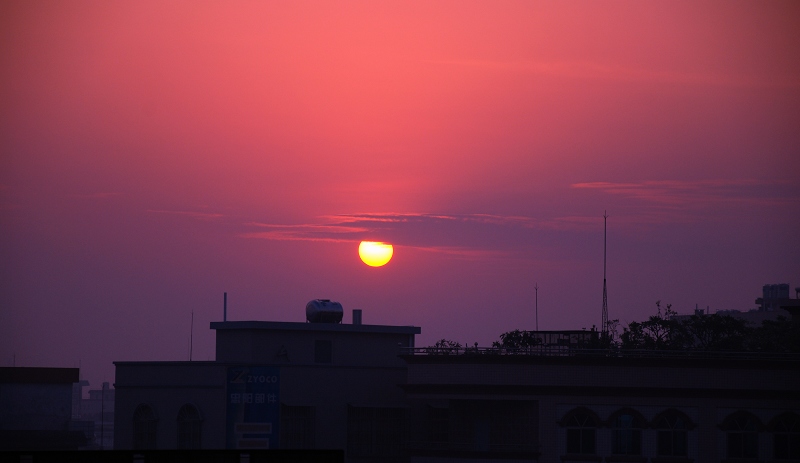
pixel 297 326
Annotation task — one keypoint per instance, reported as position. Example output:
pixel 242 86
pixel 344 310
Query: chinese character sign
pixel 253 407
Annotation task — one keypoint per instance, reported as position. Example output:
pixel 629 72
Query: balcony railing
pixel 571 351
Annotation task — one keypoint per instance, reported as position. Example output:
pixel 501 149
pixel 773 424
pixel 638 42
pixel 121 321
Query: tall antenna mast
pixel 191 336
pixel 604 326
pixel 536 287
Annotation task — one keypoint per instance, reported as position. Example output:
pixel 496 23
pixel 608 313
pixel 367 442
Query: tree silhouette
pixel 660 331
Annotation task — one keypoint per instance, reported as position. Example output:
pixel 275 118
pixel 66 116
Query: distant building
pixel 98 408
pixel 273 385
pixel 36 409
pixel 753 317
pixel 486 406
pixel 772 297
pixel 774 304
pixel 77 398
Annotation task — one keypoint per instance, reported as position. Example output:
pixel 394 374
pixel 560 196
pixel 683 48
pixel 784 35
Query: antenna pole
pixel 224 307
pixel 191 335
pixel 536 287
pixel 103 417
pixel 604 326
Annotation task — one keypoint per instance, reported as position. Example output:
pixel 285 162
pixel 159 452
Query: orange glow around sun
pixel 375 253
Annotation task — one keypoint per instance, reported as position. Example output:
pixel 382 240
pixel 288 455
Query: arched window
pixel 581 424
pixel 741 430
pixel 189 427
pixel 626 432
pixel 144 427
pixel 785 430
pixel 672 428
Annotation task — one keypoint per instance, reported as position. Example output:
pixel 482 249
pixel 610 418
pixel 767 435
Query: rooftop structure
pixel 272 385
pixel 36 409
pixel 368 390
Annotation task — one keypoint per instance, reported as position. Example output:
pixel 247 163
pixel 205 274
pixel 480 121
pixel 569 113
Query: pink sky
pixel 156 154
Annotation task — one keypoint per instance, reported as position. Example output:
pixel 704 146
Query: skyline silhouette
pixel 154 156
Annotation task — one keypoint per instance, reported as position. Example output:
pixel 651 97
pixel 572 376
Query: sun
pixel 375 253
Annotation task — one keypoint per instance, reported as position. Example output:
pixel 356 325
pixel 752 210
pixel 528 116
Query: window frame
pixel 145 427
pixel 189 427
pixel 741 435
pixel 375 432
pixel 298 426
pixel 785 430
pixel 581 426
pixel 631 434
pixel 672 433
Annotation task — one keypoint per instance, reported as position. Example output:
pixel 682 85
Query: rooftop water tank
pixel 324 311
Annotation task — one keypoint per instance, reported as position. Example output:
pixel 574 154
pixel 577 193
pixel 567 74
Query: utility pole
pixel 604 326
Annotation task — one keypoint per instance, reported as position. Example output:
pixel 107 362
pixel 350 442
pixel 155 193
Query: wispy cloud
pixel 700 193
pixel 593 70
pixel 330 232
pixel 98 195
pixel 192 214
pixel 420 217
pixel 469 236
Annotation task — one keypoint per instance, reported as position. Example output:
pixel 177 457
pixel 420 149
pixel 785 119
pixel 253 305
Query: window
pixel 297 427
pixel 374 432
pixel 672 434
pixel 144 427
pixel 741 435
pixel 323 351
pixel 626 433
pixel 786 437
pixel 438 425
pixel 501 426
pixel 189 427
pixel 581 427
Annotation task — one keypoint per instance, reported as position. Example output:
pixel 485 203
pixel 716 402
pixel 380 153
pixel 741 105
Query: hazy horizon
pixel 156 155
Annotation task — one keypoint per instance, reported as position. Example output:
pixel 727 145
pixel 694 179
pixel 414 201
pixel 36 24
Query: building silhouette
pixel 36 409
pixel 366 389
pixel 272 385
pixel 544 404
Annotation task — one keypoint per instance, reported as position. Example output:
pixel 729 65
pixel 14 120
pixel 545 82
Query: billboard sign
pixel 253 404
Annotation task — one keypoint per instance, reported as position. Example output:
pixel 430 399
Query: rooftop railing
pixel 570 351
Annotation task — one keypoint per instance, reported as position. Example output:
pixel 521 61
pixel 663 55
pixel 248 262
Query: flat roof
pixel 39 375
pixel 328 327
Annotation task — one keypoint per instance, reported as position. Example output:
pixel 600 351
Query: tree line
pixel 665 331
pixel 717 332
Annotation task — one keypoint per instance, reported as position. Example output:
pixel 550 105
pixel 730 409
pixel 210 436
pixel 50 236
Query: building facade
pixel 367 390
pixel 36 409
pixel 487 406
pixel 272 385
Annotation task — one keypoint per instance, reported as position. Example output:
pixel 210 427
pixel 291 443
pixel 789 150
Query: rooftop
pixel 30 375
pixel 326 327
pixel 580 355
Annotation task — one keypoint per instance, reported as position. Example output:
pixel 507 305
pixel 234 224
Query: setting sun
pixel 375 253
